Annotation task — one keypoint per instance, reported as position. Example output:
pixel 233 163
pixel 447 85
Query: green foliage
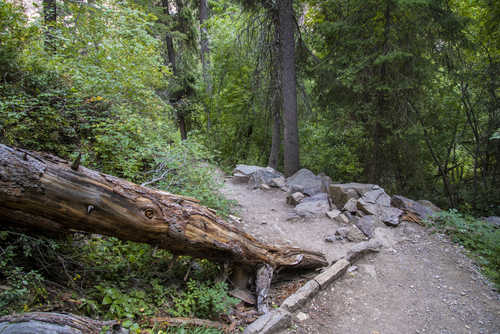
pixel 202 300
pixel 481 238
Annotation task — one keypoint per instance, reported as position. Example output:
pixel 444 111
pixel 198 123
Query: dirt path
pixel 419 283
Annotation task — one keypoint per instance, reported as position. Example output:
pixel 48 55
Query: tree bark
pixel 43 192
pixel 275 101
pixel 289 87
pixel 205 56
pixel 49 19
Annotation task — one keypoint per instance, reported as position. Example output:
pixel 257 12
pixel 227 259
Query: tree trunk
pixel 205 53
pixel 43 192
pixel 169 42
pixel 49 19
pixel 288 86
pixel 276 101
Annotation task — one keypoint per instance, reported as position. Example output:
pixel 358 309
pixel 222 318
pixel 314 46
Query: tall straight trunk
pixel 288 86
pixel 205 53
pixel 276 101
pixel 169 42
pixel 49 18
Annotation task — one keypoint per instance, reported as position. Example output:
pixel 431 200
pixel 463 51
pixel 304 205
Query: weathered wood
pixel 48 323
pixel 41 191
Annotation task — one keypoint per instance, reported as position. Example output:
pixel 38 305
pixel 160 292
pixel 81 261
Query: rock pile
pixel 359 207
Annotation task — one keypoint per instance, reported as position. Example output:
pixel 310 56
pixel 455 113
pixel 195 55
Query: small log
pixel 46 322
pixel 174 322
pixel 41 192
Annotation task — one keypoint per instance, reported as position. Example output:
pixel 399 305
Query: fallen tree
pixel 42 192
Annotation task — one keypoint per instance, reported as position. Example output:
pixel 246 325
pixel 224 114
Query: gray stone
pixel 354 234
pixel 264 187
pixel 332 214
pixel 301 296
pixel 390 215
pixel 295 198
pixel 306 181
pixel 351 205
pixel 330 238
pixel 301 316
pixel 429 205
pixel 411 206
pixel 366 207
pixel 240 178
pixel 377 196
pixel 341 233
pixel 342 219
pixel 278 182
pixel 367 224
pixel 331 273
pixel 362 248
pixel 342 192
pixel 246 169
pixel 316 197
pixel 263 176
pixel 312 208
pixel 270 322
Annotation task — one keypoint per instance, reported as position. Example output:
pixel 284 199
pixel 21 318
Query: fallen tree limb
pixel 169 322
pixel 46 322
pixel 42 192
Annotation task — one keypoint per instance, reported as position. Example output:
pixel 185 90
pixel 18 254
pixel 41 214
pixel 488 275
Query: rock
pixel 301 316
pixel 244 295
pixel 278 182
pixel 362 248
pixel 332 273
pixel 295 198
pixel 240 178
pixel 411 206
pixel 367 224
pixel 316 197
pixel 352 269
pixel 306 182
pixel 246 169
pixel 390 215
pixel 270 322
pixel 377 196
pixel 493 220
pixel 342 219
pixel 429 205
pixel 351 205
pixel 264 187
pixel 342 192
pixel 330 238
pixel 301 296
pixel 354 234
pixel 332 214
pixel 263 176
pixel 341 233
pixel 293 217
pixel 366 207
pixel 312 208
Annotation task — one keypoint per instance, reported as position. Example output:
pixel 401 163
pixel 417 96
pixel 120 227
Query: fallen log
pixel 39 191
pixel 48 323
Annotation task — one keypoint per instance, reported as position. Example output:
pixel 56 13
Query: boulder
pixel 351 205
pixel 342 219
pixel 278 182
pixel 342 192
pixel 430 205
pixel 367 224
pixel 332 214
pixel 295 198
pixel 411 206
pixel 355 234
pixel 377 196
pixel 246 169
pixel 366 207
pixel 240 178
pixel 390 215
pixel 306 182
pixel 263 176
pixel 312 208
pixel 316 197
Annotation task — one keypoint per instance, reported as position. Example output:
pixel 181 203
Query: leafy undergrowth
pixel 106 278
pixel 481 238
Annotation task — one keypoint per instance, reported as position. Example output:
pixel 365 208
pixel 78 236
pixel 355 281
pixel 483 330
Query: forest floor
pixel 418 283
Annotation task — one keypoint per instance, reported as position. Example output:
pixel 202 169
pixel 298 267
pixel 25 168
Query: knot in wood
pixel 149 213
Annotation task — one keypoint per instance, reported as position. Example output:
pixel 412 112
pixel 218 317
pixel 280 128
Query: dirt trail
pixel 419 283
